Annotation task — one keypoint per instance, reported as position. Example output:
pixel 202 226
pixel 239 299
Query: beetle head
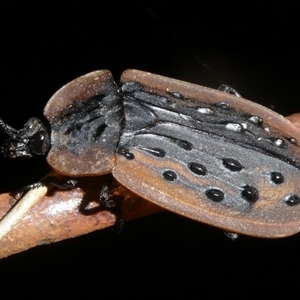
pixel 32 139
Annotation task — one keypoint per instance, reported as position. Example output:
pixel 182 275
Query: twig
pixel 45 216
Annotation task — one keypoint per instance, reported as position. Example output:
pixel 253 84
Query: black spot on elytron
pixel 292 200
pixel 215 195
pixel 292 141
pixel 155 151
pixel 185 145
pixel 277 177
pixel 232 164
pixel 100 129
pixel 278 142
pixel 182 143
pixel 177 95
pixel 197 168
pixel 126 153
pixel 204 110
pixel 236 127
pixel 250 193
pixel 256 120
pixel 170 175
pixel 223 105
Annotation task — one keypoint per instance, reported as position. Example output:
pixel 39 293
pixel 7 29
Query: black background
pixel 45 44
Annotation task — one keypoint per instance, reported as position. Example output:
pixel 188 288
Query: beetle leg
pixel 109 202
pixel 51 180
pixel 229 90
pixel 12 132
pixel 21 191
pixel 232 236
pixel 118 226
pixel 105 199
pixel 61 184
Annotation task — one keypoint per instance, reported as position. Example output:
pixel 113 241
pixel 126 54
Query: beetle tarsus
pixel 118 227
pixel 61 184
pixel 232 236
pixel 229 90
pixel 20 192
pixel 51 180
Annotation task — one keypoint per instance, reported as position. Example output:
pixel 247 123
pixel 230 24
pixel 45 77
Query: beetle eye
pixel 39 142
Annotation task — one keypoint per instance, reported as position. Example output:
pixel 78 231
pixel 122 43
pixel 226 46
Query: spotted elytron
pixel 202 153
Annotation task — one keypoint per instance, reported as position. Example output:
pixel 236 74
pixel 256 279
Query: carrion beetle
pixel 206 154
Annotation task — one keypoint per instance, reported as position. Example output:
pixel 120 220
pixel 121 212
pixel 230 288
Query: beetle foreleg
pixel 61 184
pixel 12 132
pixel 51 180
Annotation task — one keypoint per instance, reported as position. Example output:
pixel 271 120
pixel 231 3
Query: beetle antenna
pixel 12 132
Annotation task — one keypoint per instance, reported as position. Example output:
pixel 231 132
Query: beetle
pixel 206 154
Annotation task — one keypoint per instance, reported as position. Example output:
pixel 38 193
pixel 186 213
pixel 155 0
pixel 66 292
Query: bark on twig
pixel 45 216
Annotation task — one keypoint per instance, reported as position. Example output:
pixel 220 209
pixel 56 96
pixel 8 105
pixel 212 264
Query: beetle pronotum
pixel 202 153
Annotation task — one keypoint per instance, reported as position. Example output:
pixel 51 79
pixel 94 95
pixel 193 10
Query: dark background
pixel 45 44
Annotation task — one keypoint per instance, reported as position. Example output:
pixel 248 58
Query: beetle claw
pixel 229 90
